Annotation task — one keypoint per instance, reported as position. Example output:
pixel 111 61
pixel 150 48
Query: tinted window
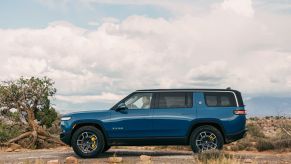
pixel 139 101
pixel 175 100
pixel 222 99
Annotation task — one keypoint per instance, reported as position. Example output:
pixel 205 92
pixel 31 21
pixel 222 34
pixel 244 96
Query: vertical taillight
pixel 240 112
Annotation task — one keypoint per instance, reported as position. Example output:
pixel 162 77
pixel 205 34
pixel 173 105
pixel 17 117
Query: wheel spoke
pixel 206 140
pixel 87 142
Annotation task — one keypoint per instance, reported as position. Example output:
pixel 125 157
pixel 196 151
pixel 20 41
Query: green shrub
pixel 6 132
pixel 46 116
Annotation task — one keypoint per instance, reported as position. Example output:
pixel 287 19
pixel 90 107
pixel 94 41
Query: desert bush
pixel 265 144
pixel 216 157
pixel 282 144
pixel 47 115
pixel 6 132
pixel 255 131
pixel 253 118
pixel 243 144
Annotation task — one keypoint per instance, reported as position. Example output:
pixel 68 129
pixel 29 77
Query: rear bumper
pixel 236 136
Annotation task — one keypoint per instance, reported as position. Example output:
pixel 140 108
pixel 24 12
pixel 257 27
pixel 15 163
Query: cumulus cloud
pixel 89 98
pixel 239 7
pixel 248 50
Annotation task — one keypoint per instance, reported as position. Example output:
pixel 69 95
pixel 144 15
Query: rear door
pixel 172 114
pixel 219 106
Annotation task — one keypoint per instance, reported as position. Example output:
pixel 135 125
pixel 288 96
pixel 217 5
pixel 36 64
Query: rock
pixel 71 160
pixel 15 146
pixel 145 157
pixel 9 150
pixel 38 161
pixel 253 143
pixel 115 159
pixel 228 147
pixel 53 162
pixel 248 161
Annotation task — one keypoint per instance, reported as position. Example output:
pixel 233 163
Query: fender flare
pixel 89 122
pixel 205 121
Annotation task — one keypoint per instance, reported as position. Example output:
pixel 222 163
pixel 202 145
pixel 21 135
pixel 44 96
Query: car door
pixel 135 120
pixel 173 113
pixel 219 106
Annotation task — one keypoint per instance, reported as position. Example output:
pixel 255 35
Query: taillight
pixel 240 112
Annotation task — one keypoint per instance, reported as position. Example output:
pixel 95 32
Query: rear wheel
pixel 206 138
pixel 87 142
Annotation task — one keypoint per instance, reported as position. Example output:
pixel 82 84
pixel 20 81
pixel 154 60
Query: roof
pixel 179 90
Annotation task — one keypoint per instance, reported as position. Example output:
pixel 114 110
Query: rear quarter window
pixel 220 99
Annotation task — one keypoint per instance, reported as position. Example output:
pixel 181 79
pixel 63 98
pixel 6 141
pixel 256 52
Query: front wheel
pixel 206 138
pixel 87 142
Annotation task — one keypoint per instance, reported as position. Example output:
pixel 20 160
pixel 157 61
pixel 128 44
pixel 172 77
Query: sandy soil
pixel 132 156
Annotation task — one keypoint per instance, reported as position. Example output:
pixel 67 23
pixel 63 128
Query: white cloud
pixel 216 49
pixel 242 7
pixel 109 97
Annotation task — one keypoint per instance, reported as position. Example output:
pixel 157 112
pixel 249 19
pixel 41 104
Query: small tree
pixel 29 96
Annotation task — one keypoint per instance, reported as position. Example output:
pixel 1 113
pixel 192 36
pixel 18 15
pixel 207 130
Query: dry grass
pixel 265 134
pixel 216 157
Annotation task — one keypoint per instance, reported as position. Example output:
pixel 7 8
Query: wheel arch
pixel 95 124
pixel 211 122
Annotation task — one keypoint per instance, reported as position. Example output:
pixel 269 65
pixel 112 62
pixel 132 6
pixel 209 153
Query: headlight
pixel 65 118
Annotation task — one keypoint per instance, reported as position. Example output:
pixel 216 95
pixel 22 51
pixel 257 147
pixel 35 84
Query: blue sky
pixel 98 51
pixel 38 14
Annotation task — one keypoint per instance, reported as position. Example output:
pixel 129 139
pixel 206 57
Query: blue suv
pixel 202 118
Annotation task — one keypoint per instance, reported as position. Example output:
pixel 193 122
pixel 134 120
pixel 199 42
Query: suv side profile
pixel 202 118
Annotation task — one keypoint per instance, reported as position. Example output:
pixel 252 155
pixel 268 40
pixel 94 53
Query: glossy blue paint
pixel 158 123
pixel 129 123
pixel 173 122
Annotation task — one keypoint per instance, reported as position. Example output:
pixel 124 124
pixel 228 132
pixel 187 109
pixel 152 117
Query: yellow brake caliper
pixel 93 138
pixel 212 137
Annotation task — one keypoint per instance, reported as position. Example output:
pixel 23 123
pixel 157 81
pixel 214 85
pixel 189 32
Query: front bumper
pixel 66 138
pixel 236 136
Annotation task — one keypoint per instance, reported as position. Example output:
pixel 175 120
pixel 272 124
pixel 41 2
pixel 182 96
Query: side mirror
pixel 121 106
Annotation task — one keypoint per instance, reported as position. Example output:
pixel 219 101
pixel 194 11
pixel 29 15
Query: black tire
pixel 195 138
pixel 106 148
pixel 99 145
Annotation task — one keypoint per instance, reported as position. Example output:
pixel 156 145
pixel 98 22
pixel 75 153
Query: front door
pixel 134 121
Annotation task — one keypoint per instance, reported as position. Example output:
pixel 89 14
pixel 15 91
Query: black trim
pixel 66 138
pixel 182 90
pixel 147 141
pixel 236 136
pixel 238 94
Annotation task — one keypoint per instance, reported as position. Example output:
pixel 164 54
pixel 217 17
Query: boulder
pixel 71 160
pixel 145 157
pixel 115 159
pixel 248 161
pixel 15 146
pixel 53 162
pixel 9 150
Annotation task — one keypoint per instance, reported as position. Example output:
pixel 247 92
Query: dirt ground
pixel 132 156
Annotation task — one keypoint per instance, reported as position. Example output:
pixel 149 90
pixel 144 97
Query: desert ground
pixel 267 141
pixel 132 155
